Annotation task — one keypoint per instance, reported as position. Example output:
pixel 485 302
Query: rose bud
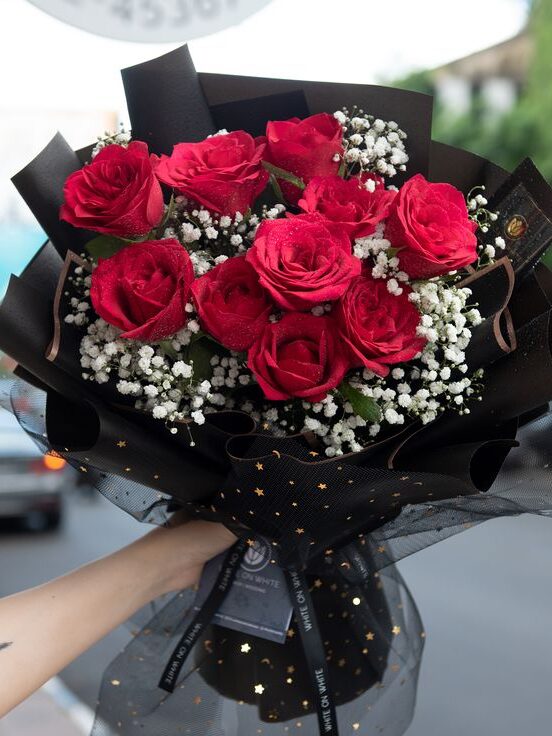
pixel 378 327
pixel 430 223
pixel 116 194
pixel 232 305
pixel 306 148
pixel 299 356
pixel 143 289
pixel 348 203
pixel 303 261
pixel 223 173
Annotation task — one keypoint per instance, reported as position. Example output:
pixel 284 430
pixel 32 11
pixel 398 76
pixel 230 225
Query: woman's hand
pixel 43 629
pixel 175 555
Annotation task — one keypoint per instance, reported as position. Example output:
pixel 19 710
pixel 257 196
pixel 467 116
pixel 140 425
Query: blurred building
pixel 495 76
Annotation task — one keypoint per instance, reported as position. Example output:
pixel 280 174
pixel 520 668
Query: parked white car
pixel 31 483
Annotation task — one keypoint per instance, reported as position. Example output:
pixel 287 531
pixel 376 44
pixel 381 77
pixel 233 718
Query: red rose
pixel 348 203
pixel 223 173
pixel 378 327
pixel 430 223
pixel 300 356
pixel 116 194
pixel 303 261
pixel 305 148
pixel 232 305
pixel 144 288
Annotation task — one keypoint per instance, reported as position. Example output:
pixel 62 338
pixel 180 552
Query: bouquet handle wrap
pixel 268 684
pixel 203 617
pixel 314 651
pixel 305 614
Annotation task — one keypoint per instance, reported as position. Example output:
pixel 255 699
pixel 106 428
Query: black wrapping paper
pixel 340 523
pixel 492 290
pixel 252 114
pixel 166 103
pixel 411 110
pixel 26 329
pixel 41 183
pixel 533 296
pixel 508 392
pixel 190 106
pixel 90 433
pixel 464 169
pixel 44 270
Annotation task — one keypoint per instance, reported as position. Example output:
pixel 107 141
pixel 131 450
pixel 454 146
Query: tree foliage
pixel 526 130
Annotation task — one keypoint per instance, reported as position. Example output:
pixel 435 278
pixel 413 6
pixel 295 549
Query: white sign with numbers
pixel 154 21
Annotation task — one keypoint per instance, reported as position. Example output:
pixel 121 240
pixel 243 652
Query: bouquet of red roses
pixel 337 309
pixel 319 328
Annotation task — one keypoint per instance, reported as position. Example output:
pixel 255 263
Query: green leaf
pixel 547 258
pixel 276 187
pixel 105 246
pixel 168 214
pixel 242 357
pixel 168 349
pixel 205 336
pixel 363 406
pixel 200 352
pixel 285 175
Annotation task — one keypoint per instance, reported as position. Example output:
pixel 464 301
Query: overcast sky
pixel 45 63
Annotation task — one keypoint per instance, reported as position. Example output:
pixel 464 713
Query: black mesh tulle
pixel 373 670
pixel 372 633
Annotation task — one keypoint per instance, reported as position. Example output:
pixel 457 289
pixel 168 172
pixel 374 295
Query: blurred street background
pixel 486 595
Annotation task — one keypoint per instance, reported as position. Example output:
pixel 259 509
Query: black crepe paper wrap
pixel 341 522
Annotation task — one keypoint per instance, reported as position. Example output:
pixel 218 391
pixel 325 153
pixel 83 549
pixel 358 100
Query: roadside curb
pixel 78 712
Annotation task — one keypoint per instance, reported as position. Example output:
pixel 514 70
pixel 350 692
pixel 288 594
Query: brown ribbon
pixel 506 342
pixel 71 259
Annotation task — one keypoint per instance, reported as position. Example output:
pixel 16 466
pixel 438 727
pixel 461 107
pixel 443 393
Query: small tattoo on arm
pixel 5 645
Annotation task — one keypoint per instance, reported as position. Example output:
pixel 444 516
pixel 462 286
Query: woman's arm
pixel 43 629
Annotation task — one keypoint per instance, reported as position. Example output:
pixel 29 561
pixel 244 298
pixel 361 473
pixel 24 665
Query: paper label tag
pixel 258 602
pixel 525 228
